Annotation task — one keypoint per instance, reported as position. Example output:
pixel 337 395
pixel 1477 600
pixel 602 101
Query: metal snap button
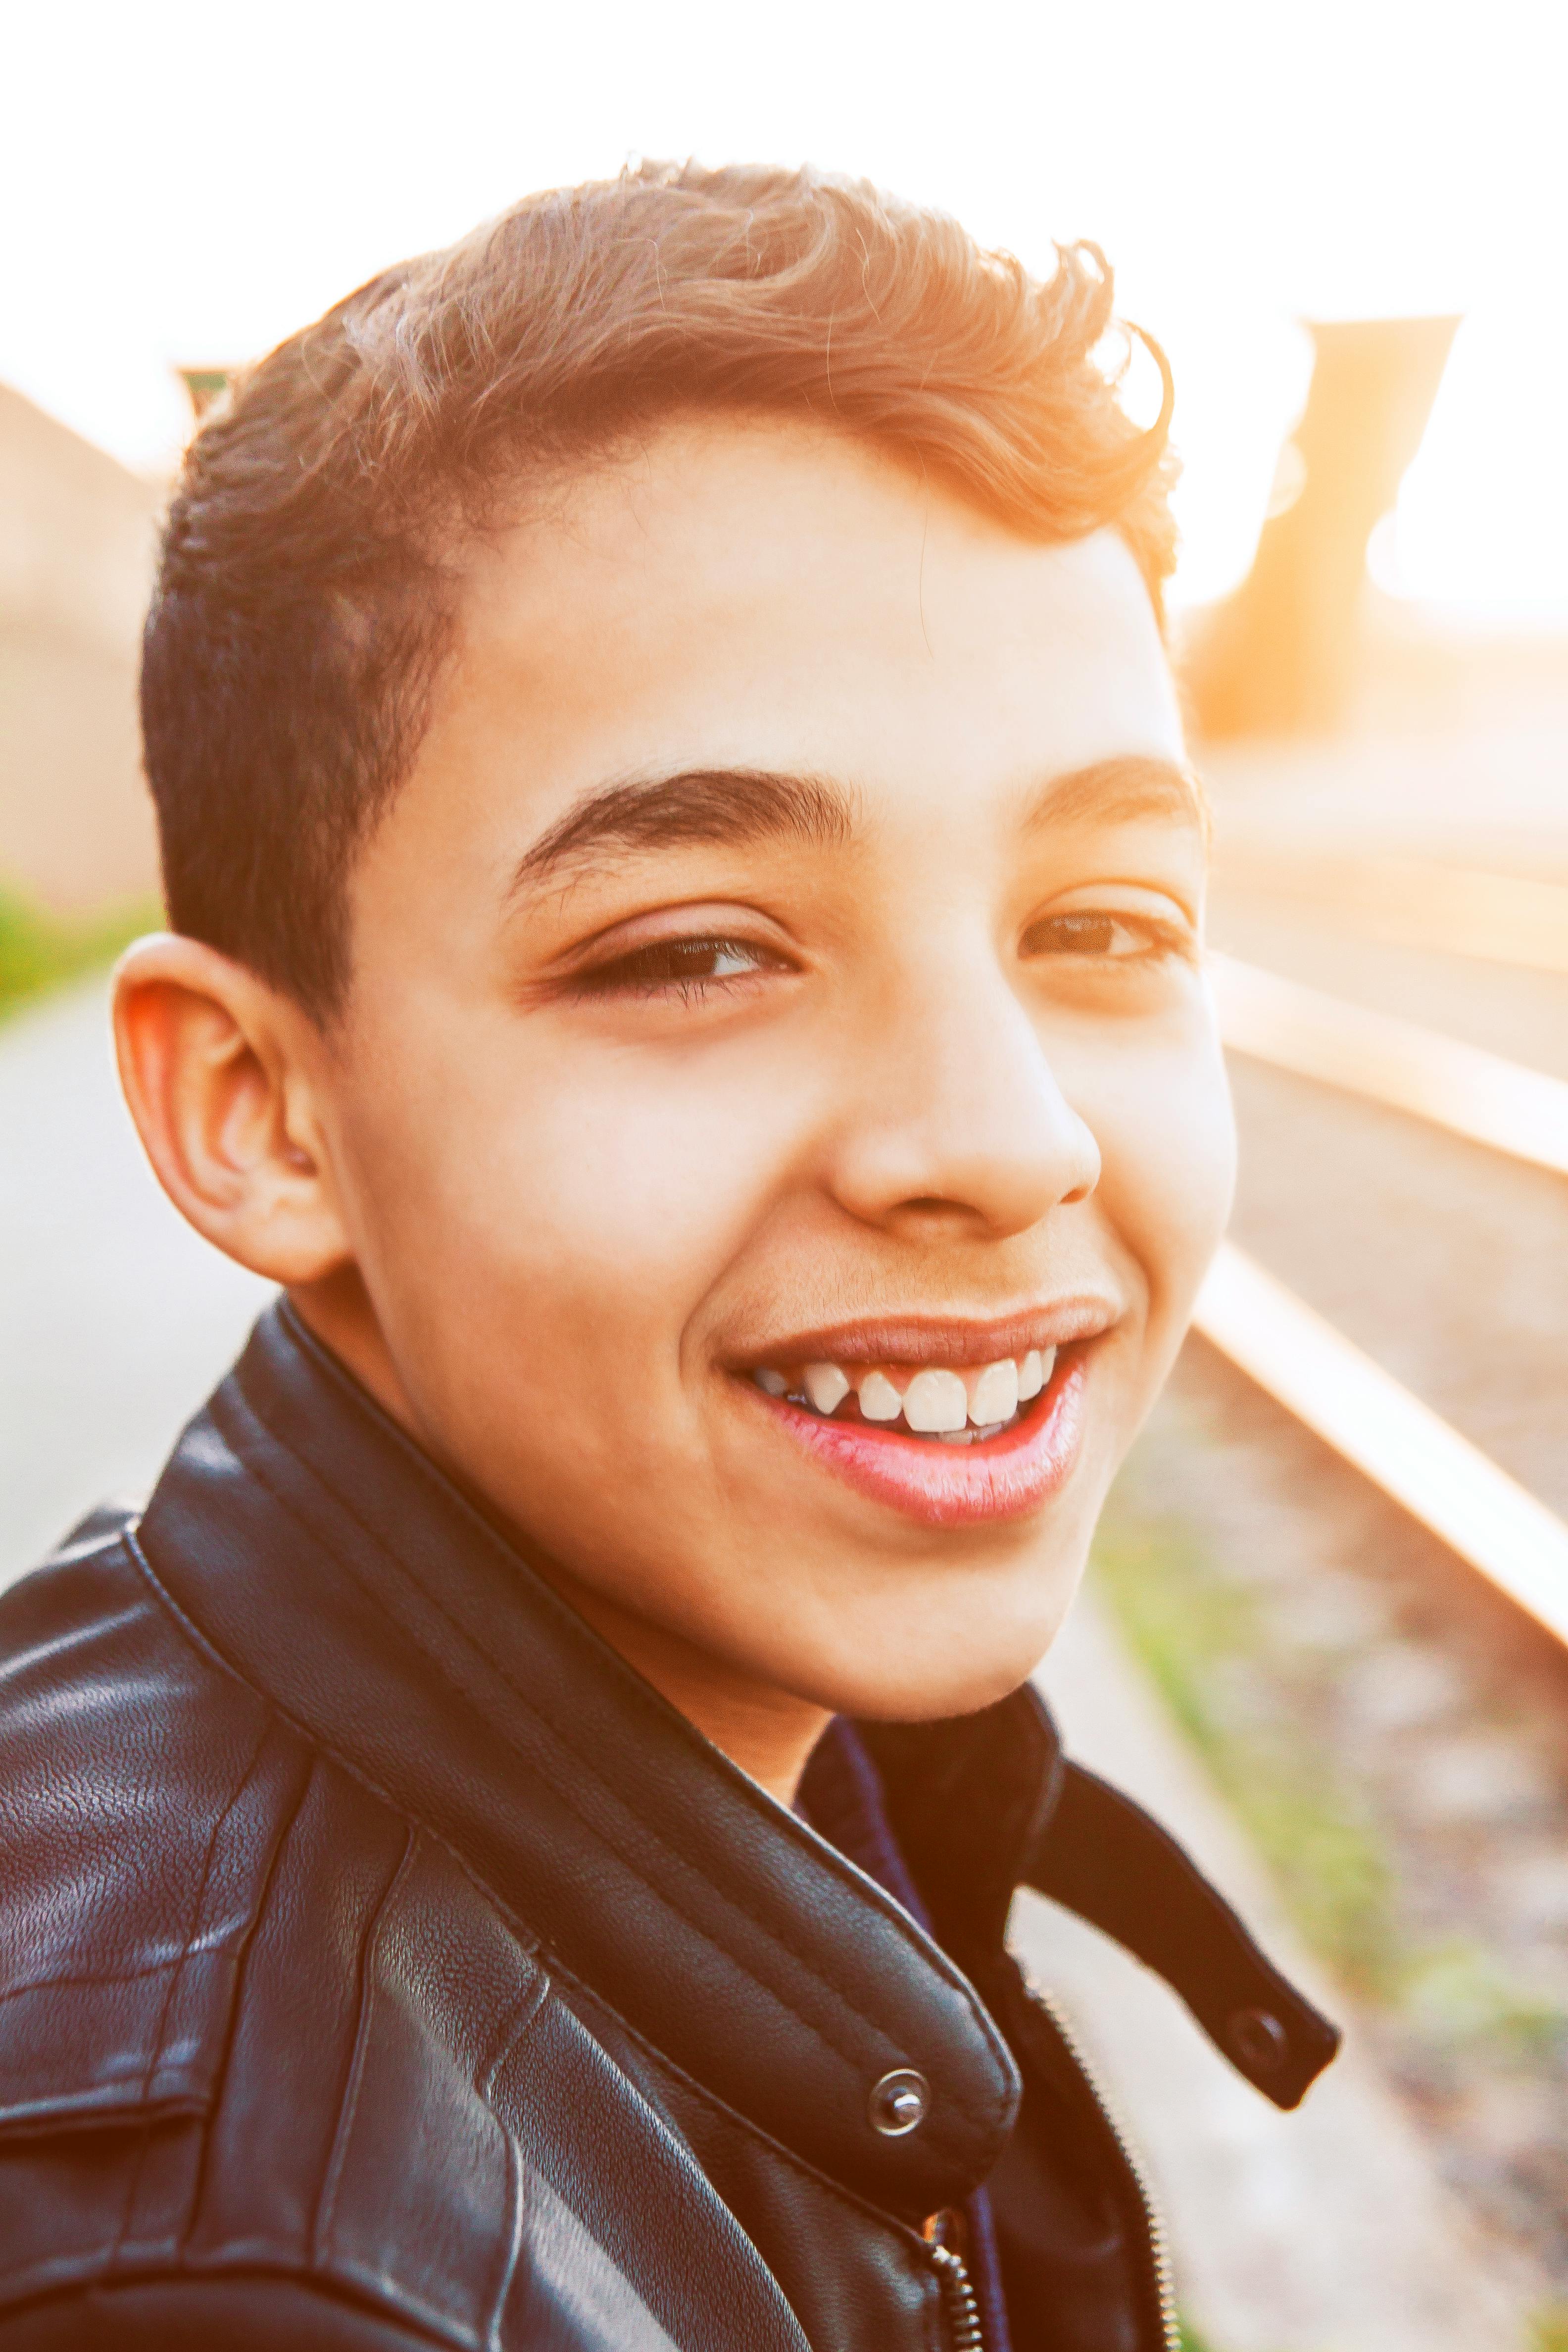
pixel 899 2103
pixel 1258 2040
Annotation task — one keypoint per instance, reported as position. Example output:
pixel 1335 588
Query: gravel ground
pixel 1393 1731
pixel 1446 1262
pixel 1395 1737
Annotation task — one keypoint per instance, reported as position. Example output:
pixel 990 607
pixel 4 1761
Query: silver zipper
pixel 1159 2244
pixel 963 2303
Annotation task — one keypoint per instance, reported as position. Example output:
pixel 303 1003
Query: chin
pixel 951 1675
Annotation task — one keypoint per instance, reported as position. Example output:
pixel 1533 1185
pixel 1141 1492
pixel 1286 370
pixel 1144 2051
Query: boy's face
pixel 783 955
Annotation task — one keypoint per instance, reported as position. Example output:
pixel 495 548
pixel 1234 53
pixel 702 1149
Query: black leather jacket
pixel 384 1963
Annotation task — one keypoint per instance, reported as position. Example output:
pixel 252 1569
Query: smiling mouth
pixel 944 1404
pixel 935 1425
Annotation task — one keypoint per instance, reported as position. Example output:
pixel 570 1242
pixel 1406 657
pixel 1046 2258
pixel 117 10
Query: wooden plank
pixel 1410 901
pixel 1412 1068
pixel 1411 1452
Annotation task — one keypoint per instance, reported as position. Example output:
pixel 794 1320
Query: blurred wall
pixel 77 539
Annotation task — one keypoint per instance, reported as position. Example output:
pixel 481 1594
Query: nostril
pixel 937 1208
pixel 1082 1191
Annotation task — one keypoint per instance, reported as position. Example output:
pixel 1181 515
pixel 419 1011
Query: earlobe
pixel 215 1072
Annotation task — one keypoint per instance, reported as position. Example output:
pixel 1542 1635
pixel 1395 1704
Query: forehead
pixel 761 594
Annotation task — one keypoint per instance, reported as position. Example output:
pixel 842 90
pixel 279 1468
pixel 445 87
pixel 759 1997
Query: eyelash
pixel 635 974
pixel 1161 938
pixel 638 973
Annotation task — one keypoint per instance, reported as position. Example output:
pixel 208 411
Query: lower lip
pixel 1004 1478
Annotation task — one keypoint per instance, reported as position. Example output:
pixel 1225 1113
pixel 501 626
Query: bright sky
pixel 185 182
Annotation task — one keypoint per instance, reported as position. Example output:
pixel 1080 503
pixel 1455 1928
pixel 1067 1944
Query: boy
pixel 685 897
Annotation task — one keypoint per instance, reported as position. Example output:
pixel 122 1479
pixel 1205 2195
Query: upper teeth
pixel 879 1399
pixel 826 1386
pixel 935 1402
pixel 995 1395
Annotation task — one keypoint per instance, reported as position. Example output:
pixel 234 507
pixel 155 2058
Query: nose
pixel 957 1120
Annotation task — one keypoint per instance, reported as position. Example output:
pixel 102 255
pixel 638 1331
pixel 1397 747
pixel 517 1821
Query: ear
pixel 223 1077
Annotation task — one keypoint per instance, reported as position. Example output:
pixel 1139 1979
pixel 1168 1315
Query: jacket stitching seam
pixel 526 1938
pixel 515 2026
pixel 150 2073
pixel 242 1953
pixel 198 1950
pixel 88 2289
pixel 710 2098
pixel 318 1751
pixel 326 2208
pixel 930 2292
pixel 516 2019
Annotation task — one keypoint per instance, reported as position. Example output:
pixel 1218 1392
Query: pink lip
pixel 953 1486
pixel 939 1338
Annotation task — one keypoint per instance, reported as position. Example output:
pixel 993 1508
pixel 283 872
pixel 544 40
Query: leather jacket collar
pixel 326 1559
pixel 329 1562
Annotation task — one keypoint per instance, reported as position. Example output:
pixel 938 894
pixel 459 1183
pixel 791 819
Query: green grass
pixel 1201 1641
pixel 1456 1990
pixel 1234 1687
pixel 1548 2332
pixel 1250 1702
pixel 39 950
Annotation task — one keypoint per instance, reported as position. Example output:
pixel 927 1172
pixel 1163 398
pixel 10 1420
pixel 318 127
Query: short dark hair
pixel 305 599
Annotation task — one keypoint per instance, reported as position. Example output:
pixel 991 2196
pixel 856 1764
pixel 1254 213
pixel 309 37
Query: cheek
pixel 1167 1139
pixel 582 1203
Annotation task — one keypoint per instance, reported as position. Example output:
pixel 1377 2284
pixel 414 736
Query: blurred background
pixel 1328 1622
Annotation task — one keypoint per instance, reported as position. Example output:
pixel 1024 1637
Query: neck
pixel 769 1733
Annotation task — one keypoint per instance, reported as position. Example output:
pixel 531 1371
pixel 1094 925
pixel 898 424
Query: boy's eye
pixel 683 965
pixel 1100 933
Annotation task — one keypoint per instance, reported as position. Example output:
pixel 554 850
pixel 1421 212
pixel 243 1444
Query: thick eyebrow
pixel 699 804
pixel 740 805
pixel 1114 792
